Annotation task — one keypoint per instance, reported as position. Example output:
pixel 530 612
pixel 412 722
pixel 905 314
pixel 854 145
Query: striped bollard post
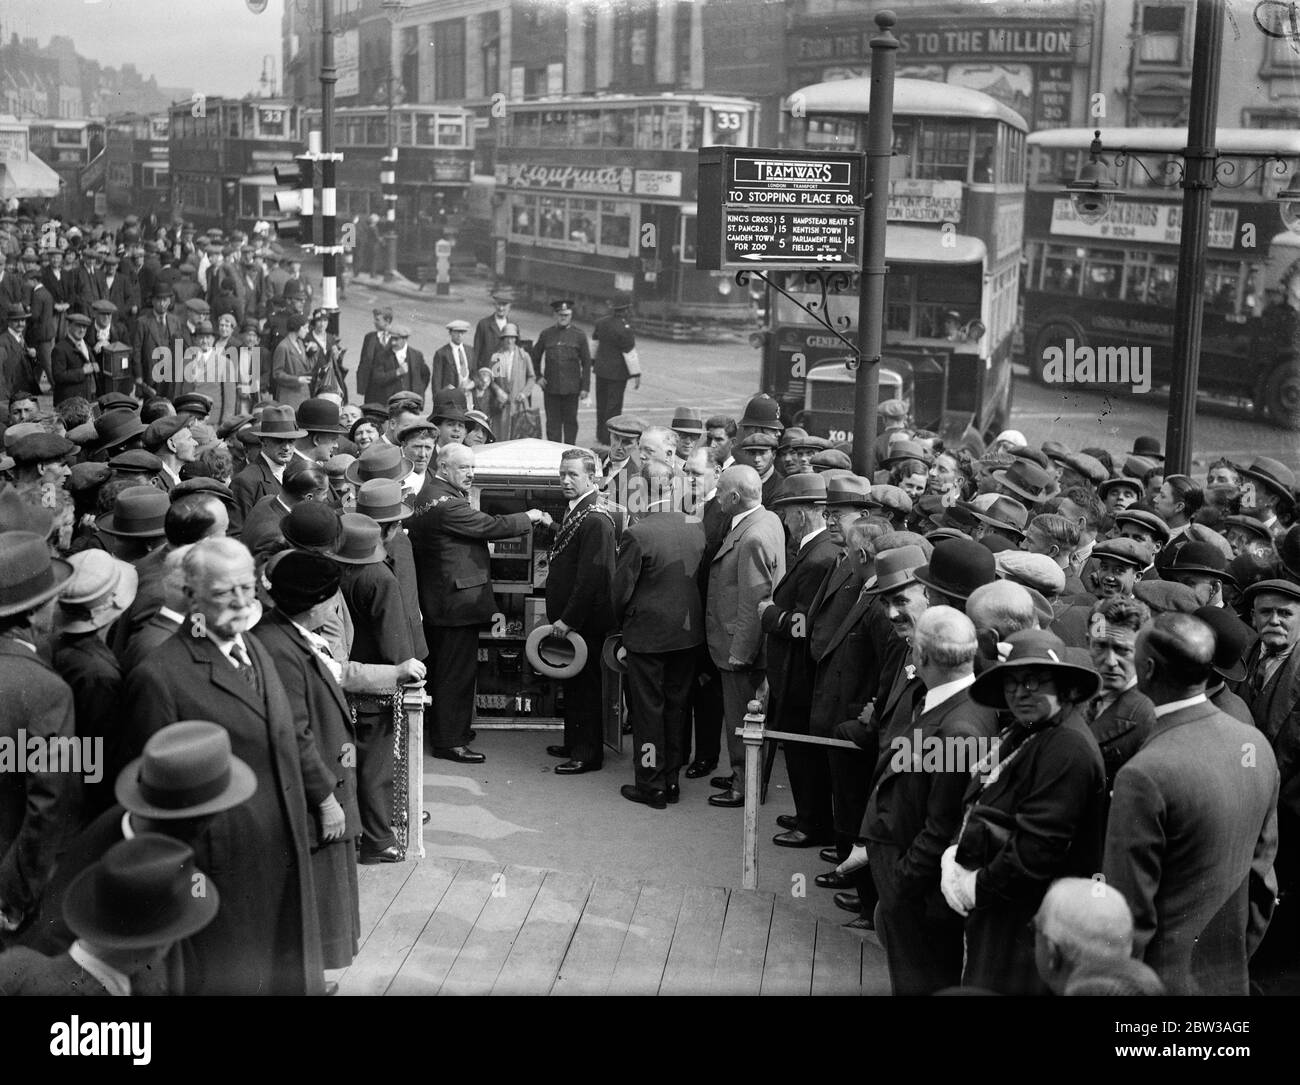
pixel 388 184
pixel 329 247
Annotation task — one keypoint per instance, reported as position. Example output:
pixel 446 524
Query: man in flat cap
pixel 451 361
pixel 75 371
pixel 615 342
pixel 562 358
pixel 156 331
pixel 400 368
pixel 489 330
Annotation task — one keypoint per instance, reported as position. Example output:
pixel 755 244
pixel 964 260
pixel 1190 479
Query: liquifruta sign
pixel 769 208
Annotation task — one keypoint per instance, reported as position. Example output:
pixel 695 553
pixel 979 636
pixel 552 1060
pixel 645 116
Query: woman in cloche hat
pixel 1034 810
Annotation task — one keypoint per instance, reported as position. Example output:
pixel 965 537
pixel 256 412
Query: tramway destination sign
pixel 782 209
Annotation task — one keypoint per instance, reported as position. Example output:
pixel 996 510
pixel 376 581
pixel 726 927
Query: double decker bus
pixel 952 248
pixel 1110 285
pixel 435 164
pixel 137 172
pixel 597 195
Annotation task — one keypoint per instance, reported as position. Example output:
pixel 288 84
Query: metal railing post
pixel 413 701
pixel 752 734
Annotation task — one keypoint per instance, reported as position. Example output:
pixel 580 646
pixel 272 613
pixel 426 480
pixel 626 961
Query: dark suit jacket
pixel 486 340
pixel 747 566
pixel 402 562
pixel 23 971
pixel 92 672
pixel 786 623
pixel 1121 729
pixel 150 334
pixel 917 807
pixel 445 374
pixel 859 660
pixel 656 584
pixel 148 598
pixel 39 811
pixel 385 381
pixel 449 543
pixel 189 678
pixel 252 484
pixel 614 337
pixel 155 631
pixel 581 576
pixel 371 348
pixel 374 599
pixel 1191 841
pixel 1226 701
pixel 262 524
pixel 1277 713
pixel 122 292
pixel 69 378
pixel 43 324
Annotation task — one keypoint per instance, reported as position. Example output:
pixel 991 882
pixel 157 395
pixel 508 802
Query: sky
pixel 211 46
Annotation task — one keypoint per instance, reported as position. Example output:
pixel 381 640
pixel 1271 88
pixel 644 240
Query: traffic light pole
pixel 328 233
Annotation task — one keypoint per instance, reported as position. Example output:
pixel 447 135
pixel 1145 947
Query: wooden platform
pixel 448 926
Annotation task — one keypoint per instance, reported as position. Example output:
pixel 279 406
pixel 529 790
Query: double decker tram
pixel 597 195
pixel 1109 285
pixel 952 247
pixel 435 164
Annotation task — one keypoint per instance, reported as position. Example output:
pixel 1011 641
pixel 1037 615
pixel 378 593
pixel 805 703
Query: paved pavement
pixel 722 376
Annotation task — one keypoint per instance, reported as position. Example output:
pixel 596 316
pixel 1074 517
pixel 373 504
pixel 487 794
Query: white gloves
pixel 957 883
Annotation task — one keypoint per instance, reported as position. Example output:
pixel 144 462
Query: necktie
pixel 244 665
pixel 462 367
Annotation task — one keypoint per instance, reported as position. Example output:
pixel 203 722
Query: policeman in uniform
pixel 614 338
pixel 562 358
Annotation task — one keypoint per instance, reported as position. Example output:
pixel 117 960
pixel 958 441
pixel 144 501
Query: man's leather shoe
pixel 573 768
pixel 696 769
pixel 558 751
pixel 461 754
pixel 723 782
pixel 787 821
pixel 830 855
pixel 651 797
pixel 727 798
pixel 833 879
pixel 864 922
pixel 850 902
pixel 389 855
pixel 674 794
pixel 795 838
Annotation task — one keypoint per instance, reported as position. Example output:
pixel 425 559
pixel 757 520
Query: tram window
pixel 451 132
pixel 1103 277
pixel 984 166
pixel 695 131
pixel 555 128
pixel 550 217
pixel 830 132
pixel 1062 271
pixel 523 216
pixel 524 129
pixel 687 254
pixel 582 221
pixel 942 151
pixel 406 129
pixel 617 127
pixel 586 128
pixel 615 227
pixel 1223 283
pixel 649 128
pixel 1152 282
pixel 377 131
pixel 674 128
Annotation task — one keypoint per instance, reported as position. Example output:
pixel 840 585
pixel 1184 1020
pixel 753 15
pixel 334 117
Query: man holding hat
pixel 800 503
pixel 374 344
pixel 562 360
pixel 400 369
pixel 127 911
pixel 451 368
pixel 614 340
pixel 489 330
pixel 578 601
pixel 40 808
pixel 157 330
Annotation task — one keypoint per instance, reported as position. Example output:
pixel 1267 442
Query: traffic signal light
pixel 297 204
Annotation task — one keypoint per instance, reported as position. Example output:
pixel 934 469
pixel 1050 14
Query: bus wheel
pixel 1282 394
pixel 1051 336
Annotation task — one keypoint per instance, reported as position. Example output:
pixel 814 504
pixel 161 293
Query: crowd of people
pixel 1061 684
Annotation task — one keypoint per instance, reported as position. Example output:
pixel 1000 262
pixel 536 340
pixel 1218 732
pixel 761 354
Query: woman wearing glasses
pixel 1034 810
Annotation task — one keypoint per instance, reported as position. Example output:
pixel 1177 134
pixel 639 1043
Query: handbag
pixel 633 362
pixel 525 422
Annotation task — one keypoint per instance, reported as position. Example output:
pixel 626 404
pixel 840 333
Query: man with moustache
pixel 213 668
pixel 578 601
